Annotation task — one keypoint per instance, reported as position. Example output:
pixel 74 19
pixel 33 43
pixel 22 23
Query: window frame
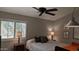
pixel 17 21
pixel 8 29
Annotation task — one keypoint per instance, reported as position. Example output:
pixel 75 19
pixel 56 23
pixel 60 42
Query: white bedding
pixel 49 46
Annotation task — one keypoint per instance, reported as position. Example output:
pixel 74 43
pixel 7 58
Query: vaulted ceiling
pixel 29 11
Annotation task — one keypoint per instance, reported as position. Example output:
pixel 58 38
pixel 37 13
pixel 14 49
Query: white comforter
pixel 49 46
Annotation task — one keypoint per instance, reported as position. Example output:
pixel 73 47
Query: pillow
pixel 42 39
pixel 37 39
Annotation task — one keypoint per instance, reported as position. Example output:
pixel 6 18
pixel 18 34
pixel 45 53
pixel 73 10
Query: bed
pixel 49 46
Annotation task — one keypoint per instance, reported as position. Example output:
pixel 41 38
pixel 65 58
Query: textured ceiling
pixel 29 11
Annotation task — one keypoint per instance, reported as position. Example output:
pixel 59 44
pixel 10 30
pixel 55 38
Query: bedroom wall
pixel 76 19
pixel 59 27
pixel 35 26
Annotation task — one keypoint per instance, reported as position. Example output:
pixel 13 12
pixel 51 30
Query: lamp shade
pixel 18 34
pixel 52 33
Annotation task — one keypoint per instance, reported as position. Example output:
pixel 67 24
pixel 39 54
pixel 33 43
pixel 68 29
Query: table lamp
pixel 52 34
pixel 19 35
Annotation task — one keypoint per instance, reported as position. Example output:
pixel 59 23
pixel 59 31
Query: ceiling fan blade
pixel 52 10
pixel 41 13
pixel 35 8
pixel 50 13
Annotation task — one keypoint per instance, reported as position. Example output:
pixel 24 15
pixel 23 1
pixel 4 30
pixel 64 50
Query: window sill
pixel 12 39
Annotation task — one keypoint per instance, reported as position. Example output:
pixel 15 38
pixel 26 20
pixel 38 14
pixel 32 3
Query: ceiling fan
pixel 46 11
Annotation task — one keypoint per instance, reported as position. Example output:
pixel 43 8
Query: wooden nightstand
pixel 20 47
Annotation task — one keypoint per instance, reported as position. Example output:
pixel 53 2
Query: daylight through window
pixel 9 29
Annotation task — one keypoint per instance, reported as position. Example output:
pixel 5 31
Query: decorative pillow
pixel 37 39
pixel 42 39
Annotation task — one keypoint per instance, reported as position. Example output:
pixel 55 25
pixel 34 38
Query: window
pixel 21 27
pixel 76 33
pixel 9 29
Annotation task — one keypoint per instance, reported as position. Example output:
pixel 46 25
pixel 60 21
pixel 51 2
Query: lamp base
pixel 18 40
pixel 52 37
